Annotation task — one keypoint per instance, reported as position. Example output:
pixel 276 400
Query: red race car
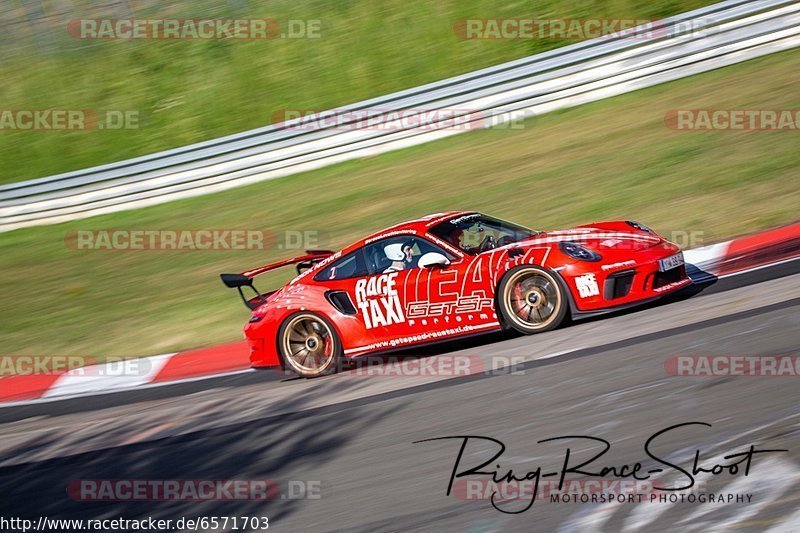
pixel 448 275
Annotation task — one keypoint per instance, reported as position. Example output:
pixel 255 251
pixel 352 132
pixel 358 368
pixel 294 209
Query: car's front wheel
pixel 530 299
pixel 309 345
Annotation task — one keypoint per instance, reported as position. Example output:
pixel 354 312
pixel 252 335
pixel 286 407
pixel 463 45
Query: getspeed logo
pixel 378 301
pixel 466 304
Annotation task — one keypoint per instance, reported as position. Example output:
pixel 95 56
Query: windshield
pixel 477 233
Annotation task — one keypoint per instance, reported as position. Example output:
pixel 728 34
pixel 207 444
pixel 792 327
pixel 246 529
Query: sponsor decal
pixel 610 243
pixel 378 301
pixel 457 221
pixel 316 267
pixel 423 337
pixel 465 304
pixel 670 286
pixel 621 264
pixel 587 286
pixel 392 233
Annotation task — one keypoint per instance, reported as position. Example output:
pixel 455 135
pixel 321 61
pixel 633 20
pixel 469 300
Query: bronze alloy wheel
pixel 309 345
pixel 531 299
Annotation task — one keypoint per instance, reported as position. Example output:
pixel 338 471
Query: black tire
pixel 310 333
pixel 531 299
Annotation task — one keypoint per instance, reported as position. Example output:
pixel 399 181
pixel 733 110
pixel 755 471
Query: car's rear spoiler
pixel 245 279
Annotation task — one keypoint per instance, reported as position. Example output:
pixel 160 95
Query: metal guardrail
pixel 733 31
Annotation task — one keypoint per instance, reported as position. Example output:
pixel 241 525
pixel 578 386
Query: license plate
pixel 668 263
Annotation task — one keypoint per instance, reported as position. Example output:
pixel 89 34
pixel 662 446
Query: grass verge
pixel 187 91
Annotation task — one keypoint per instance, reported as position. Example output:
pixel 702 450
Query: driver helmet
pixel 394 252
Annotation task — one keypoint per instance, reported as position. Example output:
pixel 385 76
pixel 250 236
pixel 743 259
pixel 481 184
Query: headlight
pixel 577 251
pixel 640 227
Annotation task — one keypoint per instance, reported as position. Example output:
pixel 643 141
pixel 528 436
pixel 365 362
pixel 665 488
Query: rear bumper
pixel 263 353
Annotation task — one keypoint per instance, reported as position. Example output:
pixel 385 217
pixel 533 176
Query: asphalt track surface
pixel 355 435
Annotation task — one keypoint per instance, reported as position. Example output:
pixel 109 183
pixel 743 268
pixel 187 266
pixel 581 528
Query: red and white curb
pixel 721 260
pixel 747 253
pixel 150 371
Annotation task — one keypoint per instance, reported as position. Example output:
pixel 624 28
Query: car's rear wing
pixel 245 279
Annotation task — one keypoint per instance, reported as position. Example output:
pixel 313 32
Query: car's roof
pixel 418 225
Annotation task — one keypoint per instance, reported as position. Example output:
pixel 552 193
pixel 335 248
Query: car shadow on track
pixel 293 447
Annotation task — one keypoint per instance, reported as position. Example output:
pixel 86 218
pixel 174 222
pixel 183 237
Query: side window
pixel 398 253
pixel 350 266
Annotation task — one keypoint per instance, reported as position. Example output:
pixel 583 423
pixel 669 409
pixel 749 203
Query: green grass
pixel 609 160
pixel 189 91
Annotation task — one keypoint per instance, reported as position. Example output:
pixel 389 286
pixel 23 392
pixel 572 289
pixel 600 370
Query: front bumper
pixel 604 286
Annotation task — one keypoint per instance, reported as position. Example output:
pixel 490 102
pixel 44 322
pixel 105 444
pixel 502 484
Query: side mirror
pixel 433 259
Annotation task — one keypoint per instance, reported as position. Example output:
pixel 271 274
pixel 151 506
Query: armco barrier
pixel 733 31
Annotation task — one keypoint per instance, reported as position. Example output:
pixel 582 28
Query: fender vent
pixel 341 301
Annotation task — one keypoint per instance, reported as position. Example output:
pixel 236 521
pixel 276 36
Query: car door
pixel 432 297
pixel 367 286
pixel 346 283
pixel 454 300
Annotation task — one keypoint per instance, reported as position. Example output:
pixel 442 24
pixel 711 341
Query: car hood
pixel 598 239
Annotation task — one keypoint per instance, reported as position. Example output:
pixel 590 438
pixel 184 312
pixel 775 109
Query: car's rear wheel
pixel 309 345
pixel 531 299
